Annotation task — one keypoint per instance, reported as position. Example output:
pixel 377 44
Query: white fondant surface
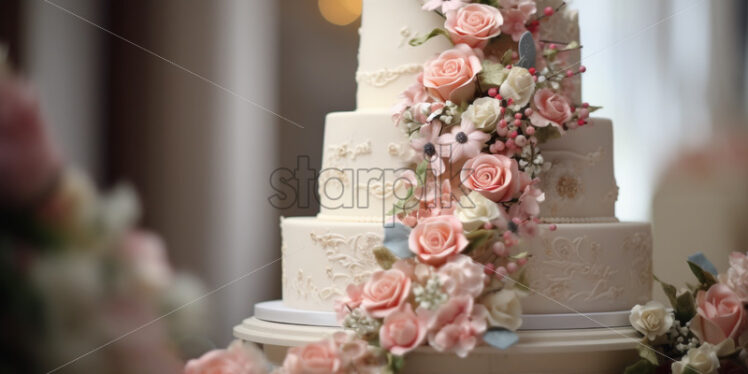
pixel 363 152
pixel 580 183
pixel 320 258
pixel 591 267
pixel 385 59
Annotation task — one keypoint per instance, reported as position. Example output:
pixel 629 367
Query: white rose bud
pixel 651 319
pixel 484 113
pixel 504 309
pixel 518 86
pixel 703 360
pixel 475 210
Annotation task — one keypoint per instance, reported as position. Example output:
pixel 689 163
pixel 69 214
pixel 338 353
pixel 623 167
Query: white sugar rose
pixel 475 210
pixel 651 319
pixel 702 360
pixel 483 113
pixel 504 309
pixel 518 86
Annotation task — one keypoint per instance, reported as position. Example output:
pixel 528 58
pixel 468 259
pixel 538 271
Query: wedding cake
pixel 582 268
pixel 592 262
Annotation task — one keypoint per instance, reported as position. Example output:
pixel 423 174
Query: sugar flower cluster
pixel 706 331
pixel 451 272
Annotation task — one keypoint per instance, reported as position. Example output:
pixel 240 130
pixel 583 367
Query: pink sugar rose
pixel 352 300
pixel 474 24
pixel 494 176
pixel 315 358
pixel 720 315
pixel 385 292
pixel 403 330
pixel 462 276
pixel 736 276
pixel 238 358
pixel 550 108
pixel 516 13
pixel 452 74
pixel 434 239
pixel 457 326
pixel 29 161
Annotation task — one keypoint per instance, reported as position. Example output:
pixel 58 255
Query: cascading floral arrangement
pixel 451 266
pixel 705 331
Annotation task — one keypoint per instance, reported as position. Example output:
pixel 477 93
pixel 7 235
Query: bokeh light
pixel 340 12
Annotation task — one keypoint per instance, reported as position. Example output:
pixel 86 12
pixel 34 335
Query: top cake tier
pixel 387 64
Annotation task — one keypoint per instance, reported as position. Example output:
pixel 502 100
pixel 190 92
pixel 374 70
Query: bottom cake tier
pixel 577 268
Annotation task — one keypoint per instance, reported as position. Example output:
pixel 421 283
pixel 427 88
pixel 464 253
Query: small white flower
pixel 519 86
pixel 431 295
pixel 504 309
pixel 703 360
pixel 651 319
pixel 361 323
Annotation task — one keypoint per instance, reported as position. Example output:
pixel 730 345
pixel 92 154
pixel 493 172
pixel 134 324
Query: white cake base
pixel 275 311
pixel 599 351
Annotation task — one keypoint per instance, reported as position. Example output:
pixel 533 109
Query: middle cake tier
pixel 579 267
pixel 364 153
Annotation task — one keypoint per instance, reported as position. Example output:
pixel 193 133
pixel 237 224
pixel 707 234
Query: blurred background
pixel 195 103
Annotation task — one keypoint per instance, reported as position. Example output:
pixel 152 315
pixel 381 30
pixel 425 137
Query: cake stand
pixel 596 343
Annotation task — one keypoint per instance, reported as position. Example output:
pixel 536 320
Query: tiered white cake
pixel 590 263
pixel 586 274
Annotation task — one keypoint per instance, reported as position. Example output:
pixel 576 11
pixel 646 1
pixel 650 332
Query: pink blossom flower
pixel 434 198
pixel 550 108
pixel 432 190
pixel 528 229
pixel 314 358
pixel 415 94
pixel 408 178
pixel 434 239
pixel 464 141
pixel 516 14
pixel 403 330
pixel 529 203
pixel 462 276
pixel 457 326
pixel 720 315
pixel 495 176
pixel 385 292
pixel 29 162
pixel 427 144
pixel 736 276
pixel 352 300
pixel 474 24
pixel 238 358
pixel 452 74
pixel 444 5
